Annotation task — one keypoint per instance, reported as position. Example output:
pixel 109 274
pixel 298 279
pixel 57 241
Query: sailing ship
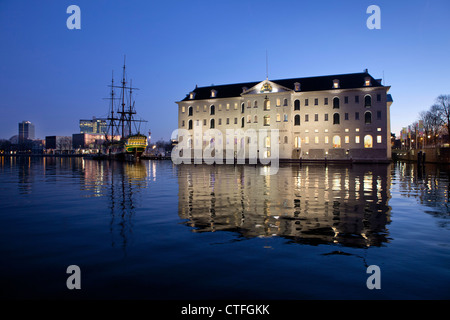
pixel 120 140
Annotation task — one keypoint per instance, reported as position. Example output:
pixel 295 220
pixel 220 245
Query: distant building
pixel 89 142
pixel 58 144
pixel 26 131
pixel 93 126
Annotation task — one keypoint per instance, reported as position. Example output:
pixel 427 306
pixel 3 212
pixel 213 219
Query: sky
pixel 53 76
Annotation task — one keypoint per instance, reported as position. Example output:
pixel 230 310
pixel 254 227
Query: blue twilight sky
pixel 53 76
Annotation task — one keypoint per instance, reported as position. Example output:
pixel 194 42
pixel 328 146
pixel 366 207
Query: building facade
pixel 26 131
pixel 337 117
pixel 93 126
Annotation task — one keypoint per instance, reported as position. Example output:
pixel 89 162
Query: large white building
pixel 336 117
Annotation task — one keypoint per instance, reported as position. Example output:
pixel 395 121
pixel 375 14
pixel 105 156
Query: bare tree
pixel 431 124
pixel 442 107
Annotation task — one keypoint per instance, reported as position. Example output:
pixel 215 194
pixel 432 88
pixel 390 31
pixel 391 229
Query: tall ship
pixel 123 138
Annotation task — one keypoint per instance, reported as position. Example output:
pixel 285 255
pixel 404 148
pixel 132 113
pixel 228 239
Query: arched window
pixel 212 124
pixel 297 105
pixel 255 104
pixel 336 118
pixel 367 101
pixel 266 104
pixel 368 141
pixel 368 117
pixel 255 119
pixel 190 111
pixel 297 120
pixel 242 107
pixel 249 119
pixel 190 125
pixel 242 122
pixel 336 142
pixel 285 102
pixel 336 103
pixel 212 110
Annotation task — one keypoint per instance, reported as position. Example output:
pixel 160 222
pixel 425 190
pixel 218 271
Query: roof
pixel 346 81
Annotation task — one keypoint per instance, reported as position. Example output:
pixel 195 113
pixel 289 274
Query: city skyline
pixel 54 76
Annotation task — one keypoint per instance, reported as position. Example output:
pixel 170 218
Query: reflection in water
pixel 311 204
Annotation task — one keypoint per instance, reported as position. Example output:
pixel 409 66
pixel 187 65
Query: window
pixel 297 120
pixel 285 102
pixel 378 139
pixel 242 107
pixel 368 141
pixel 297 142
pixel 306 140
pixel 278 102
pixel 197 123
pixel 266 104
pixel 336 103
pixel 190 125
pixel 316 117
pixel 255 104
pixel 316 139
pixel 367 81
pixel 297 86
pixel 345 100
pixel 378 97
pixel 357 139
pixel 212 110
pixel 191 95
pixel 335 84
pixel 235 120
pixel 285 139
pixel 183 109
pixel 336 119
pixel 346 116
pixel 205 107
pixel 325 101
pixel 249 104
pixel 182 123
pixel 235 106
pixel 211 124
pixel 367 101
pixel 278 117
pixel 336 142
pixel 256 119
pixel 213 93
pixel 356 115
pixel 242 122
pixel 306 102
pixel 285 117
pixel 267 142
pixel 228 120
pixel 267 120
pixel 316 102
pixel 325 118
pixel 190 111
pixel 368 117
pixel 379 129
pixel 220 107
pixel 306 117
pixel 204 122
pixel 378 115
pixel 356 99
pixel 326 140
pixel 249 119
pixel 297 105
pixel 220 122
pixel 347 139
pixel 228 106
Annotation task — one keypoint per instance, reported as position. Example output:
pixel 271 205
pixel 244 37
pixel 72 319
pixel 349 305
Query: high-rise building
pixel 26 131
pixel 93 126
pixel 335 117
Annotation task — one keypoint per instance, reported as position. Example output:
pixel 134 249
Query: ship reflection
pixel 310 204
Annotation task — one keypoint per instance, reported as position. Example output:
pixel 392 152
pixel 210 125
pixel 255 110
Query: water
pixel 153 230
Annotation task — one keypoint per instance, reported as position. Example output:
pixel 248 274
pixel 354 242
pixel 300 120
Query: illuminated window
pixel 183 109
pixel 347 139
pixel 316 139
pixel 335 84
pixel 267 120
pixel 213 93
pixel 367 82
pixel 267 142
pixel 297 86
pixel 378 139
pixel 235 106
pixel 191 95
pixel 266 104
pixel 278 102
pixel 379 129
pixel 336 142
pixel 278 117
pixel 368 141
pixel 297 142
pixel 306 140
pixel 249 119
pixel 357 129
pixel 357 139
pixel 220 107
pixel 228 106
pixel 326 140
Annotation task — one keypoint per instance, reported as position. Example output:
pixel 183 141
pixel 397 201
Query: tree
pixel 442 106
pixel 431 124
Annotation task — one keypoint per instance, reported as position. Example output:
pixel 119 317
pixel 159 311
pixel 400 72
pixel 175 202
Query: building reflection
pixel 311 204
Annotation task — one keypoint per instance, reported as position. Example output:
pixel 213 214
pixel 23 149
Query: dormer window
pixel 336 84
pixel 367 82
pixel 244 89
pixel 297 86
pixel 213 93
pixel 191 95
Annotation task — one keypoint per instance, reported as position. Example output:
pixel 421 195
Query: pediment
pixel 265 87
